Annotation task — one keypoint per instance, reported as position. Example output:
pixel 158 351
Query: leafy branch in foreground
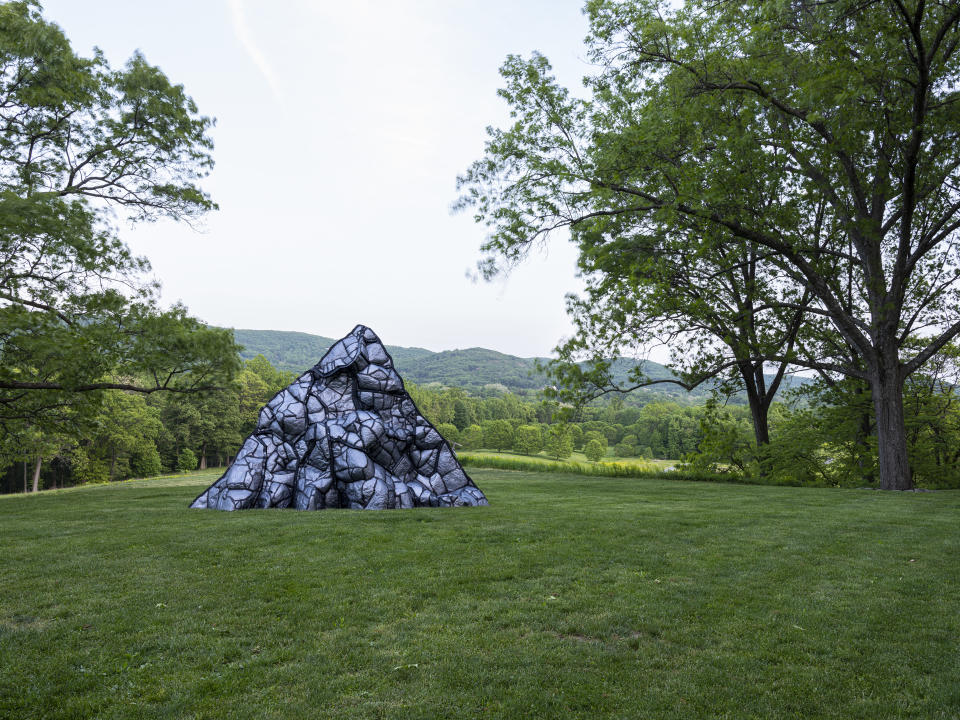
pixel 78 141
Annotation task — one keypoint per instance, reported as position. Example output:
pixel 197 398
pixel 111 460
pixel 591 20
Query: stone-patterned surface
pixel 345 434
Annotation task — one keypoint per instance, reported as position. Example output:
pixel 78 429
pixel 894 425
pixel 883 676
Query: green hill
pixel 471 369
pixel 297 351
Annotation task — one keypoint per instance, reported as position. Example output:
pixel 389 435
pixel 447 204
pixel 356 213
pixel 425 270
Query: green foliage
pixel 497 434
pixel 463 413
pixel 612 433
pixel 186 460
pixel 829 439
pixel 86 469
pixel 472 437
pixel 545 465
pixel 748 183
pixel 594 450
pixel 274 379
pixel 728 443
pixel 79 141
pixel 145 462
pixel 932 410
pixel 449 432
pixel 559 442
pixel 595 436
pixel 528 439
pixel 576 433
pixel 824 438
pixel 124 432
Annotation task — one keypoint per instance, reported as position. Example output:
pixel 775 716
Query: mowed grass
pixel 567 597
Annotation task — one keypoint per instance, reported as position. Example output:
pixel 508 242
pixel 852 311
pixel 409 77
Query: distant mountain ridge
pixel 471 368
pixel 297 351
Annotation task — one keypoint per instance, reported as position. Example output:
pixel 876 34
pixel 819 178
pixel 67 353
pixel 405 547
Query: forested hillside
pixel 297 351
pixel 475 369
pixel 472 368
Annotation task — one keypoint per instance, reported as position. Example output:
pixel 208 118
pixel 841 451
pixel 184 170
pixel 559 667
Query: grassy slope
pixel 568 597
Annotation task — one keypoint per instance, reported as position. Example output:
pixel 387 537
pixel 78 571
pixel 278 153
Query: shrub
pixel 87 470
pixel 472 437
pixel 187 460
pixel 528 440
pixel 594 450
pixel 449 432
pixel 145 461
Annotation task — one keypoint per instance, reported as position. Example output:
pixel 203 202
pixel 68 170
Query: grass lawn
pixel 568 597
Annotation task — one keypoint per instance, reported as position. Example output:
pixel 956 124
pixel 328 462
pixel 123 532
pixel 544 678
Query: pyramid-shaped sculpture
pixel 345 434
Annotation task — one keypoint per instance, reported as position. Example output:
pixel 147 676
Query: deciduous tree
pixel 528 439
pixel 77 139
pixel 559 443
pixel 823 136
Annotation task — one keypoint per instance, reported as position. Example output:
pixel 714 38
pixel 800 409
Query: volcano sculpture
pixel 345 434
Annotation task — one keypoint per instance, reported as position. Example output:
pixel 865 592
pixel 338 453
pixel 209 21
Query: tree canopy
pixel 83 145
pixel 821 136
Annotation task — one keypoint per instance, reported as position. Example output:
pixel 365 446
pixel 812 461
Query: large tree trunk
pixel 203 457
pixel 759 406
pixel 36 474
pixel 761 425
pixel 886 387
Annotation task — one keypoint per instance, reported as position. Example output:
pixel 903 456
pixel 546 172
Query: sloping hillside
pixel 297 351
pixel 472 368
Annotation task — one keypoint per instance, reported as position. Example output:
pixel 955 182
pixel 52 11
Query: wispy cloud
pixel 242 30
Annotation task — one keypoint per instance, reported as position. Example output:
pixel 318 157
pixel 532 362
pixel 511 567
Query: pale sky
pixel 341 128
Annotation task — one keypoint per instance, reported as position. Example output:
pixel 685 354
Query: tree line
pixel 820 436
pixel 128 434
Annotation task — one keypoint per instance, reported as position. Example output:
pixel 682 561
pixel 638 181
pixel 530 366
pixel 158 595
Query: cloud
pixel 242 30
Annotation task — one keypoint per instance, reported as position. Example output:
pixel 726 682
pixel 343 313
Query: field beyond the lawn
pixel 568 597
